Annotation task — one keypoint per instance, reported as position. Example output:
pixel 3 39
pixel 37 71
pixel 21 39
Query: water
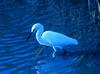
pixel 72 18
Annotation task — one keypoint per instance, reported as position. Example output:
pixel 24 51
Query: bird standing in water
pixel 51 38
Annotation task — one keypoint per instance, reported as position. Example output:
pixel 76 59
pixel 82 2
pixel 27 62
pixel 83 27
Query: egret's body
pixel 52 39
pixel 57 39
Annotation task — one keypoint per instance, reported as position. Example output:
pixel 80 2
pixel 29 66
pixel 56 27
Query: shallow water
pixel 72 18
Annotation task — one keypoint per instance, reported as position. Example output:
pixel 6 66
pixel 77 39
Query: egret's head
pixel 36 26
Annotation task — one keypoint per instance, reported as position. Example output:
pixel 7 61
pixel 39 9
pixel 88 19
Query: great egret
pixel 51 39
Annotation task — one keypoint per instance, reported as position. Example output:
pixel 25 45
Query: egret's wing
pixel 54 37
pixel 58 38
pixel 47 39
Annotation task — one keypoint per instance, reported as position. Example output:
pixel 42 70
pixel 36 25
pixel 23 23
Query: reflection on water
pixel 18 56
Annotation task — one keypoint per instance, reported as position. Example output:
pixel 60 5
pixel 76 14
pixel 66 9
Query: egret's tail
pixel 74 41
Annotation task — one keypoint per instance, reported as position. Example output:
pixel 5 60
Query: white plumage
pixel 52 39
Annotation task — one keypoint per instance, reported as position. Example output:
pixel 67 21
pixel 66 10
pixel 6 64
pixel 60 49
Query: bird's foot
pixel 53 55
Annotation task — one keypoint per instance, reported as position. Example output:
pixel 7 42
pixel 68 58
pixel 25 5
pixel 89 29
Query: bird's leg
pixel 53 55
pixel 40 50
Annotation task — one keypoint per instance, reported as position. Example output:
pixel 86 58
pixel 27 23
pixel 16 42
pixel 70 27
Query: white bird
pixel 51 38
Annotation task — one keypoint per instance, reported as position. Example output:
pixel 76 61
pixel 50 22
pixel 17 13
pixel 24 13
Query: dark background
pixel 75 18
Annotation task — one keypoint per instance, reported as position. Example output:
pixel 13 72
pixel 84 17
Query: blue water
pixel 77 19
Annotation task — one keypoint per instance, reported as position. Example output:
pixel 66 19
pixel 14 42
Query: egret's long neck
pixel 39 35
